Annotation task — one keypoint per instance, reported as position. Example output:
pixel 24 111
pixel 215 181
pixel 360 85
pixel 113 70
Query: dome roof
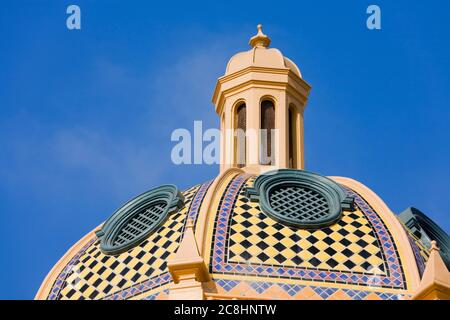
pixel 255 234
pixel 260 56
pixel 364 254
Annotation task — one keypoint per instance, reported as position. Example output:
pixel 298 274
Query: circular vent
pixel 299 203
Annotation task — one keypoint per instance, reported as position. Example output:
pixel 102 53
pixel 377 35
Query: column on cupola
pixel 251 77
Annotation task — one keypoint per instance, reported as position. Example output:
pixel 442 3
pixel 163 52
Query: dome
pixel 260 56
pixel 363 253
pixel 258 231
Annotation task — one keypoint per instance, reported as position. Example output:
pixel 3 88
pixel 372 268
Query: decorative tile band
pixel 394 277
pixel 303 291
pixel 156 295
pixel 420 261
pixel 142 287
pixel 60 280
pixel 198 200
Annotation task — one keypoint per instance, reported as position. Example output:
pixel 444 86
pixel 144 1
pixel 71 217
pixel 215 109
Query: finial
pixel 260 39
pixel 259 27
pixel 434 246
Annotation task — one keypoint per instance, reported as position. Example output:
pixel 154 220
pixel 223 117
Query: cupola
pixel 260 101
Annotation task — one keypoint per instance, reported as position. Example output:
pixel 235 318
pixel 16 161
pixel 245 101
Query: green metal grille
pixel 299 203
pixel 140 223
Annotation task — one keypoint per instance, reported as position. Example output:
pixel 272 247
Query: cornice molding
pixel 218 95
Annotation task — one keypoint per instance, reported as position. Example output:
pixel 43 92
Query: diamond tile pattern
pixel 348 245
pixel 94 275
pixel 356 250
pixel 303 292
pixel 156 296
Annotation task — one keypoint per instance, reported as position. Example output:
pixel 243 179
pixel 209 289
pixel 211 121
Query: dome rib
pixel 261 57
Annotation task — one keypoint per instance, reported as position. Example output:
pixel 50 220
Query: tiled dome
pixel 365 254
pixel 258 230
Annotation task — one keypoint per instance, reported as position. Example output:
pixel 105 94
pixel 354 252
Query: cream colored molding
pixel 223 296
pixel 284 71
pixel 393 225
pixel 282 84
pixel 257 169
pixel 435 283
pixel 187 268
pixel 206 208
pixel 188 289
pixel 158 290
pixel 263 74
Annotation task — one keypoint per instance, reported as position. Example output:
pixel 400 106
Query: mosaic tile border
pixel 60 280
pixel 139 288
pixel 420 261
pixel 198 200
pixel 219 264
pixel 156 295
pixel 142 287
pixel 293 289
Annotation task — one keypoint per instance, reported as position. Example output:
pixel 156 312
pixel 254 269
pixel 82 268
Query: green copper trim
pixel 336 198
pixel 427 230
pixel 168 199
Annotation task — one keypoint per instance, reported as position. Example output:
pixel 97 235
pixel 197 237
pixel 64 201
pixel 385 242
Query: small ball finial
pixel 260 39
pixel 434 245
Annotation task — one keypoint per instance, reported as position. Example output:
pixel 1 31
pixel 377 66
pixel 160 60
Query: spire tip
pixel 260 39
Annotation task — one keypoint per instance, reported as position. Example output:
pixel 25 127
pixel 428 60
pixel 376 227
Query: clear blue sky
pixel 86 116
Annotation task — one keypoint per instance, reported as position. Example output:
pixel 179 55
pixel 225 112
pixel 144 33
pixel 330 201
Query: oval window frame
pixel 168 194
pixel 334 194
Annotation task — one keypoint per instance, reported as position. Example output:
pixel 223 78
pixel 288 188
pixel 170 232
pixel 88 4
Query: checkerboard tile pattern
pixel 60 282
pixel 356 250
pixel 349 245
pixel 98 275
pixel 93 275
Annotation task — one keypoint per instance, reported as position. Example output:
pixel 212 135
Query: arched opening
pixel 293 136
pixel 267 146
pixel 240 140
